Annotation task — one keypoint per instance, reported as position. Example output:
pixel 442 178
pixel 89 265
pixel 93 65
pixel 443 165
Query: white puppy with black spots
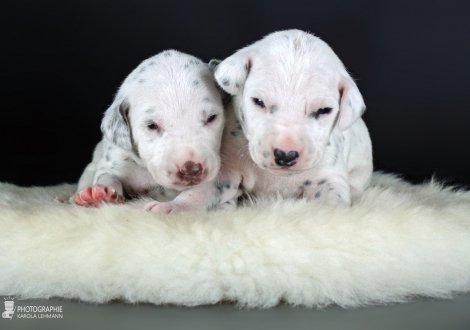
pixel 162 133
pixel 295 130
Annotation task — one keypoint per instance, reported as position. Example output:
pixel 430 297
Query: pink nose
pixel 190 171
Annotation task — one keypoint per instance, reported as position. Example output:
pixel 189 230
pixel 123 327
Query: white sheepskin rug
pixel 399 241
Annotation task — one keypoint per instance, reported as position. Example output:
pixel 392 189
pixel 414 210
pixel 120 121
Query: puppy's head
pixel 169 112
pixel 290 91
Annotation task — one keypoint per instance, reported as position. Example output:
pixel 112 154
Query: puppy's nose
pixel 285 159
pixel 190 170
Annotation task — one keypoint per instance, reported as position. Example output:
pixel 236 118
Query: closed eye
pixel 258 102
pixel 153 126
pixel 321 111
pixel 211 118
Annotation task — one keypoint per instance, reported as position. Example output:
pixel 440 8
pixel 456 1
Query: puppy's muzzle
pixel 285 159
pixel 190 172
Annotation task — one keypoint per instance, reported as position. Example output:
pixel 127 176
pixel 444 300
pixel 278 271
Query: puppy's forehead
pixel 172 82
pixel 293 60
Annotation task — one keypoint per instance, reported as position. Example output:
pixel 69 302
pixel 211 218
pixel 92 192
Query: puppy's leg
pixel 359 180
pixel 106 189
pixel 331 189
pixel 219 194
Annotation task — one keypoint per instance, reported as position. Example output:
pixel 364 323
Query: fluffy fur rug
pixel 399 241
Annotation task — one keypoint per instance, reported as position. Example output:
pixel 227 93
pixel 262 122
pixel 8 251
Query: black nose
pixel 285 159
pixel 190 171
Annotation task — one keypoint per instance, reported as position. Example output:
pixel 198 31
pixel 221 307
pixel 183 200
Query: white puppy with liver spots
pixel 295 129
pixel 161 134
pixel 300 112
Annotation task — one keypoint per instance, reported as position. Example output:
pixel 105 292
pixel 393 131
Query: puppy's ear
pixel 232 72
pixel 226 98
pixel 351 104
pixel 213 64
pixel 115 124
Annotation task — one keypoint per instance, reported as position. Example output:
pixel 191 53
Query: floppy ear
pixel 226 98
pixel 351 104
pixel 232 72
pixel 213 64
pixel 115 125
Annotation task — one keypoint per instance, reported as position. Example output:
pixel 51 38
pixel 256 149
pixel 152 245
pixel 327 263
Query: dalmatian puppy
pixel 295 130
pixel 161 135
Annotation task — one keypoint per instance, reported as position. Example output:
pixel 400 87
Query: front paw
pixel 332 195
pixel 160 207
pixel 96 195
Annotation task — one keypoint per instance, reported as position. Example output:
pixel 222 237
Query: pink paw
pixel 159 207
pixel 97 195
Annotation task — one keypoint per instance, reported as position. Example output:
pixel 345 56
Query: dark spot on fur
pixel 307 183
pixel 335 159
pixel 167 53
pixel 237 85
pixel 221 185
pixel 152 63
pixel 318 194
pixel 107 158
pixel 225 82
pixel 196 82
pixel 266 154
pixel 142 69
pixel 246 67
pixel 273 109
pixel 186 66
pixel 141 81
pixel 322 181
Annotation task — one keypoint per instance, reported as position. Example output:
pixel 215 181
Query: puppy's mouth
pixel 188 182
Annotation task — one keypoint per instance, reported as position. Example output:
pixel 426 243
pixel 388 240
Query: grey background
pixel 420 314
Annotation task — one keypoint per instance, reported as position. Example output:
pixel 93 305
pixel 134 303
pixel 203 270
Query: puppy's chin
pixel 184 184
pixel 286 171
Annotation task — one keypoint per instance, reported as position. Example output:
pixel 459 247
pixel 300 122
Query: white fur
pixel 396 242
pixel 178 93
